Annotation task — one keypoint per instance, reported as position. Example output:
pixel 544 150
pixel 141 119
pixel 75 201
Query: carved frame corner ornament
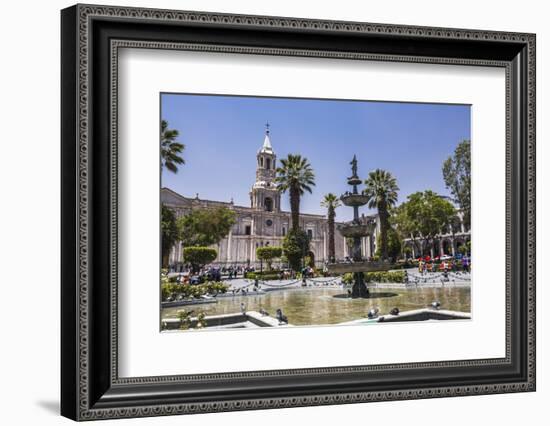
pixel 91 37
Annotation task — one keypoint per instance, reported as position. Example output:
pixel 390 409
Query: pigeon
pixel 394 311
pixel 436 304
pixel 281 317
pixel 243 308
pixel 263 312
pixel 373 313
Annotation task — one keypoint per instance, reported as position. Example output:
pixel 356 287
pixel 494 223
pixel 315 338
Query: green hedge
pixel 187 290
pixel 385 277
pixel 268 275
pixel 378 277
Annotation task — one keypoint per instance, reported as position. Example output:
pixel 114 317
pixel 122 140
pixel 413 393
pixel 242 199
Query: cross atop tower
pixel 266 147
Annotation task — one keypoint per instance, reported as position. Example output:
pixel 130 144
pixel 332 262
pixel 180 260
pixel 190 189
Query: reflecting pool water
pixel 317 306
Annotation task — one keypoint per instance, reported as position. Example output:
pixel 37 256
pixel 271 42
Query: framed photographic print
pixel 263 212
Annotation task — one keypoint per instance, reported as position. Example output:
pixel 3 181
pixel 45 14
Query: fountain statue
pixel 356 230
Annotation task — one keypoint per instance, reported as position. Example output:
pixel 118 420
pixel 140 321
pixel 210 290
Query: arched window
pixel 268 204
pixel 261 161
pixel 268 163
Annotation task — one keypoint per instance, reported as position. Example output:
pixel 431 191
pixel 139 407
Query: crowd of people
pixel 217 273
pixel 445 266
pixel 185 274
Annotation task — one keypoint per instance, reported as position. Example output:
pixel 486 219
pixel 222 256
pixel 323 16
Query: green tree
pixel 170 149
pixel 381 189
pixel 199 256
pixel 268 253
pixel 394 244
pixel 457 177
pixel 295 247
pixel 407 252
pixel 204 227
pixel 423 217
pixel 296 176
pixel 465 248
pixel 404 225
pixel 169 233
pixel 331 202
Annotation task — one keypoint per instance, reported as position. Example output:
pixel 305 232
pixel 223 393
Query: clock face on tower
pixel 269 222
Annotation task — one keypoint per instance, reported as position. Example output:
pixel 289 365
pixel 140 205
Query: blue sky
pixel 223 133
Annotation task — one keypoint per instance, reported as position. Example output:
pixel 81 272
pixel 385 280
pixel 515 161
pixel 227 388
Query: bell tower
pixel 264 194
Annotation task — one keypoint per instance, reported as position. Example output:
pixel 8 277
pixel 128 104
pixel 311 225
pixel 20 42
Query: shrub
pixel 187 290
pixel 385 276
pixel 185 319
pixel 267 275
pixel 377 277
pixel 295 246
pixel 347 278
pixel 199 256
pixel 268 254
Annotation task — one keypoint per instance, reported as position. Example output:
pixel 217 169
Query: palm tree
pixel 331 202
pixel 381 188
pixel 295 175
pixel 170 150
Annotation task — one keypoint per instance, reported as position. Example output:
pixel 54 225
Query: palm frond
pixel 170 149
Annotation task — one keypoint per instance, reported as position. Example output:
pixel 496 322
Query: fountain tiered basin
pixel 352 230
pixel 352 200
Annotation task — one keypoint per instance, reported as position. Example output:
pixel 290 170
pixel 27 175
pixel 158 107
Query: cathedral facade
pixel 263 223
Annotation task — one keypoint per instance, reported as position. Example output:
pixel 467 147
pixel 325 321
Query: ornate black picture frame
pixel 91 388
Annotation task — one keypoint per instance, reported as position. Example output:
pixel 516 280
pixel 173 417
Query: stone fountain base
pixel 359 288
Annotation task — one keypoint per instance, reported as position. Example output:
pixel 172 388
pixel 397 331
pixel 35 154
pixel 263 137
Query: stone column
pixel 345 247
pixel 171 255
pixel 229 238
pixel 441 251
pixel 252 242
pixel 179 252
